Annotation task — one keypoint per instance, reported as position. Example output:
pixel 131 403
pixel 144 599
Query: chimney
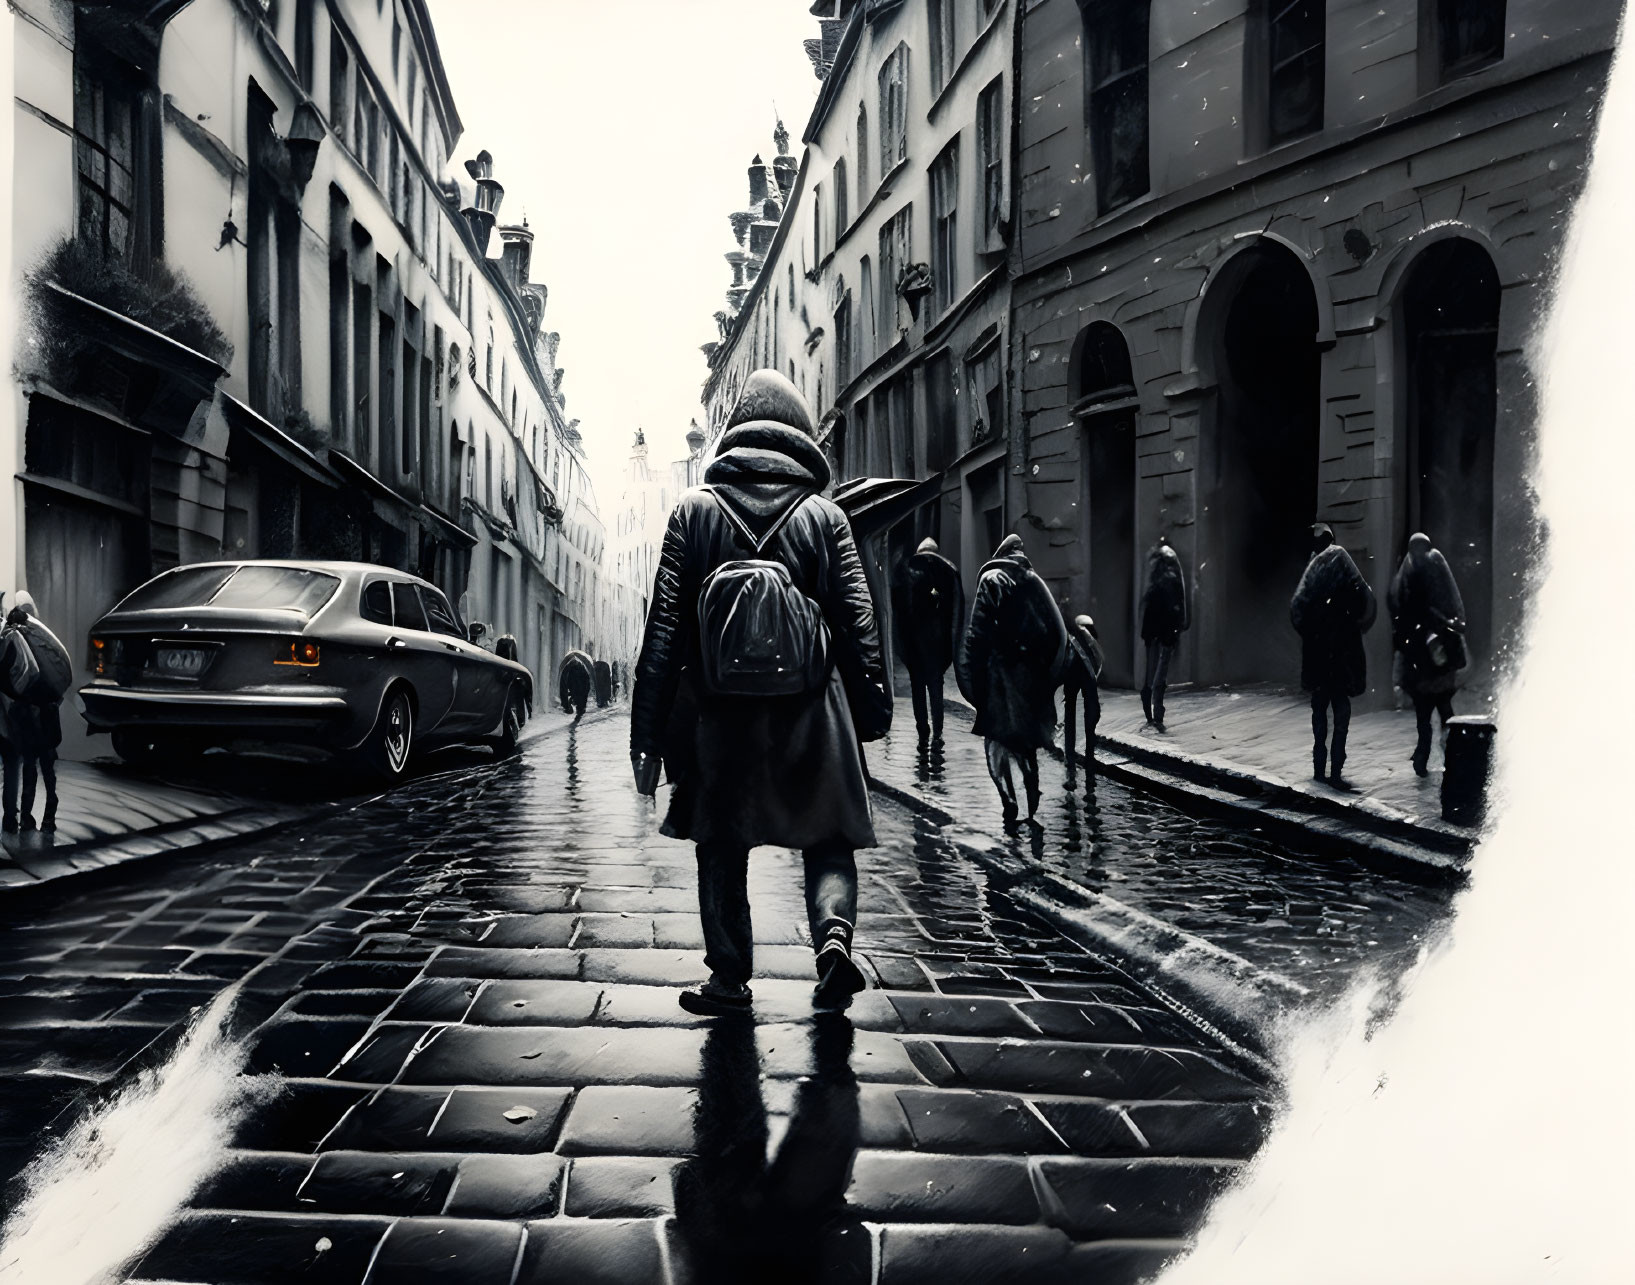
pixel 516 253
pixel 757 182
pixel 485 213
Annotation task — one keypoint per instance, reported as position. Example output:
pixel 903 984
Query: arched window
pixel 1102 362
pixel 1115 74
pixel 862 152
pixel 842 204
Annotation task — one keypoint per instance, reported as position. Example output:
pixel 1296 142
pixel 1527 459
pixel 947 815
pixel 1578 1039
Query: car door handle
pixel 395 644
pixel 450 647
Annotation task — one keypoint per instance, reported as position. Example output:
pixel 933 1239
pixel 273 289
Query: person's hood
pixel 928 545
pixel 762 469
pixel 926 559
pixel 25 603
pixel 1015 563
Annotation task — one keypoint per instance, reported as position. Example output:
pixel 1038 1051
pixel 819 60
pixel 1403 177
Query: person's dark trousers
pixel 723 902
pixel 1092 716
pixel 999 769
pixel 1321 700
pixel 1441 704
pixel 12 780
pixel 45 769
pixel 926 691
pixel 1152 685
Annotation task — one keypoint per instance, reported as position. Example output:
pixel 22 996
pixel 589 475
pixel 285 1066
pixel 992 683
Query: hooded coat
pixel 929 608
pixel 1332 609
pixel 1015 654
pixel 574 680
pixel 1423 599
pixel 1164 616
pixel 747 771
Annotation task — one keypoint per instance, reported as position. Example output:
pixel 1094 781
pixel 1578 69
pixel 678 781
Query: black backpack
pixel 51 672
pixel 758 634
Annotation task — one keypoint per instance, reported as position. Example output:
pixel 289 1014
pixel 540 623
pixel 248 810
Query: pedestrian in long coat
pixel 1164 618
pixel 574 680
pixel 604 684
pixel 1015 652
pixel 785 771
pixel 1427 634
pixel 928 609
pixel 1084 664
pixel 31 729
pixel 1332 609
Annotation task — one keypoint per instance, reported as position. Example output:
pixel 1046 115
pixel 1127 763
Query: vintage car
pixel 367 663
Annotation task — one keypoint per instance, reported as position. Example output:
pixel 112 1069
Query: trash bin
pixel 1466 766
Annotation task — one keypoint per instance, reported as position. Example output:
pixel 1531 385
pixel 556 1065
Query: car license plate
pixel 180 662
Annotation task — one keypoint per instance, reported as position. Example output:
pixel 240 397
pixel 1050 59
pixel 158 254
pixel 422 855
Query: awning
pixel 442 528
pixel 240 418
pixel 389 505
pixel 875 503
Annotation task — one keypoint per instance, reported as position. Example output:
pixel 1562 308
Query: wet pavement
pixel 1305 913
pixel 468 991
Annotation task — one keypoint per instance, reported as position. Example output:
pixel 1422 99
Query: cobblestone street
pixel 468 989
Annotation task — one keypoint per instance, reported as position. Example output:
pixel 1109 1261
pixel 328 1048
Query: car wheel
pixel 505 744
pixel 386 752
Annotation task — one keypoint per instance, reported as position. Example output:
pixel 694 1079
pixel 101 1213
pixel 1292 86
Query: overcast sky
pixel 624 130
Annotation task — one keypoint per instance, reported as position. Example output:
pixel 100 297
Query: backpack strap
pixel 758 544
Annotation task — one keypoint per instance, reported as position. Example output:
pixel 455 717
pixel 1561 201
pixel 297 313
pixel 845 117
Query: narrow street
pixel 468 988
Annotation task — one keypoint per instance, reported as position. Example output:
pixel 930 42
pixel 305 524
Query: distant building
pixel 645 503
pixel 347 373
pixel 1103 270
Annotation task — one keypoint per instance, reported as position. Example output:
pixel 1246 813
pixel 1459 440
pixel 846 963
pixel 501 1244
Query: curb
pixel 1226 994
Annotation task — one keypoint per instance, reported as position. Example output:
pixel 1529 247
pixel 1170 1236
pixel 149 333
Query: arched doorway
pixel 1450 334
pixel 1261 499
pixel 1106 410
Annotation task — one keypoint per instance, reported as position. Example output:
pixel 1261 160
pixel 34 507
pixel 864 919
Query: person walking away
pixel 1164 618
pixel 1332 609
pixel 760 675
pixel 1015 653
pixel 36 673
pixel 928 603
pixel 574 682
pixel 1428 637
pixel 1085 660
pixel 603 673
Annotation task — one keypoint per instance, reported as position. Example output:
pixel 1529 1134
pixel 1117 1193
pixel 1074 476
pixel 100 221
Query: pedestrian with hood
pixel 604 684
pixel 760 674
pixel 574 680
pixel 1164 618
pixel 1015 653
pixel 1085 660
pixel 1332 609
pixel 36 672
pixel 928 603
pixel 1428 636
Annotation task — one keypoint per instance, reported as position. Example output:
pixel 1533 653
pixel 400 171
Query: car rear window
pixel 376 604
pixel 283 588
pixel 406 607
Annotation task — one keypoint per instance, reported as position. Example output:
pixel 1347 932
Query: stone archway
pixel 1258 347
pixel 1106 409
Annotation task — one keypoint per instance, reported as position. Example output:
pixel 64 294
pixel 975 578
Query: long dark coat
pixel 1423 599
pixel 784 771
pixel 574 679
pixel 1164 615
pixel 1332 609
pixel 928 606
pixel 26 728
pixel 1015 654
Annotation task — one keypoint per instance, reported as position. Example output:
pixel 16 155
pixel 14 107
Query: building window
pixel 842 212
pixel 363 312
pixel 943 48
pixel 942 428
pixel 1291 34
pixel 866 313
pixel 817 234
pixel 944 226
pixel 306 69
pixel 843 343
pixel 1466 35
pixel 340 90
pixel 864 143
pixel 990 146
pixel 106 119
pixel 397 44
pixel 896 253
pixel 1115 42
pixel 894 110
pixel 987 395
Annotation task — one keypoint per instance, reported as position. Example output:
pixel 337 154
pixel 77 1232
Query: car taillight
pixel 99 656
pixel 304 655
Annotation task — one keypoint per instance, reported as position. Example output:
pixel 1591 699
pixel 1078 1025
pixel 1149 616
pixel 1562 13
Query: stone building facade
pixel 1278 264
pixel 263 320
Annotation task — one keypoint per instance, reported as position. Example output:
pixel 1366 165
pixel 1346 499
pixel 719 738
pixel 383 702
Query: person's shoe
pixel 1033 803
pixel 1337 781
pixel 1007 812
pixel 1421 766
pixel 28 825
pixel 48 824
pixel 9 825
pixel 1319 765
pixel 839 977
pixel 716 998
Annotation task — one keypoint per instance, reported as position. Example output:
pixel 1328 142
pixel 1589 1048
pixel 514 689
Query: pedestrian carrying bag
pixel 759 635
pixel 22 669
pixel 52 672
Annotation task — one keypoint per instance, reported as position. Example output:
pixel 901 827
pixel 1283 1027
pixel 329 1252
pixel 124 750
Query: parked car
pixel 368 663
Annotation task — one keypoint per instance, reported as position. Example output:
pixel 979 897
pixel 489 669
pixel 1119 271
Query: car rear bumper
pixel 312 718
